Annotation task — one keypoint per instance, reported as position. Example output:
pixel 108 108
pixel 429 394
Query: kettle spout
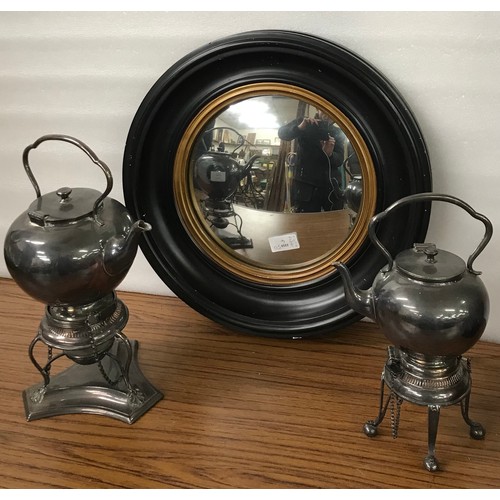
pixel 359 300
pixel 120 251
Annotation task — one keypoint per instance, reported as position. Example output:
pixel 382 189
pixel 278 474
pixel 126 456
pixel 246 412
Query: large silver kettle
pixel 425 300
pixel 71 246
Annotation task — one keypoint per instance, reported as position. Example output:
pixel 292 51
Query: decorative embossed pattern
pixel 117 320
pixel 433 383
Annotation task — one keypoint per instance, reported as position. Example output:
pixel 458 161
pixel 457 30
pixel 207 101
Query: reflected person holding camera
pixel 316 176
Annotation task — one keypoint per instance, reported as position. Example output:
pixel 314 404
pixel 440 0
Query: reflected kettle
pixel 354 193
pixel 72 246
pixel 426 300
pixel 219 175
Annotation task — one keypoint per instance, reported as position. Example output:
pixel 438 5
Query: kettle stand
pixel 217 214
pixel 105 379
pixel 432 381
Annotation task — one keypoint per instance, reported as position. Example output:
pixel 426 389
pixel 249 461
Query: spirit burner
pixel 70 250
pixel 432 307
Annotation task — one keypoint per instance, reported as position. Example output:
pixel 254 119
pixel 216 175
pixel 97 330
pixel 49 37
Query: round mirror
pixel 270 183
pixel 259 160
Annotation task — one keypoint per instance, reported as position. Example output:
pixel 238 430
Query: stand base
pixel 83 389
pixel 238 242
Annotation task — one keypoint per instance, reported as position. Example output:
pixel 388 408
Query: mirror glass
pixel 276 180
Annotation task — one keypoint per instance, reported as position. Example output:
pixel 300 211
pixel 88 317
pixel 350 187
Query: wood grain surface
pixel 239 412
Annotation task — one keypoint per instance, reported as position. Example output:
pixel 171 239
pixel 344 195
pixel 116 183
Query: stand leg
pixel 126 367
pixel 430 461
pixel 44 372
pixel 123 367
pixel 370 427
pixel 135 396
pixel 477 431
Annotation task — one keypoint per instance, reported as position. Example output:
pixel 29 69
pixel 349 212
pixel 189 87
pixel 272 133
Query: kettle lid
pixel 63 205
pixel 425 262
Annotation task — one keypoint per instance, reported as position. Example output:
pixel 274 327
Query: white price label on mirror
pixel 284 242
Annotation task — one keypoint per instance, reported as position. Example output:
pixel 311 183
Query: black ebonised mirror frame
pixel 158 145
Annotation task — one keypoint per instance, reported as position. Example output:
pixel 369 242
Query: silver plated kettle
pixel 72 246
pixel 426 300
pixel 433 307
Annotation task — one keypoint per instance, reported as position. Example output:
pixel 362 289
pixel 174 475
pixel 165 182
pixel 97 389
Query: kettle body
pixel 431 318
pixel 218 175
pixel 426 300
pixel 72 246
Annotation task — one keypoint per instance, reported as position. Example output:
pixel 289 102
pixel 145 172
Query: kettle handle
pixel 432 197
pixel 83 147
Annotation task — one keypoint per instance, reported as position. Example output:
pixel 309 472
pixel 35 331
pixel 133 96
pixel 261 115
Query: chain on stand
pixel 112 383
pixel 395 407
pixel 49 360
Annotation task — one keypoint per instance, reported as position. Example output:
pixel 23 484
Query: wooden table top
pixel 240 412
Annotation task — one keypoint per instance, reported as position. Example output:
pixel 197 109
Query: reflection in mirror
pixel 272 174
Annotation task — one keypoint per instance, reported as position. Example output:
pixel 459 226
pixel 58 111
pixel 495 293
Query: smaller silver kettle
pixel 71 246
pixel 425 300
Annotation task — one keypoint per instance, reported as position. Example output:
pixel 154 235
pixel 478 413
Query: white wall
pixel 85 74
